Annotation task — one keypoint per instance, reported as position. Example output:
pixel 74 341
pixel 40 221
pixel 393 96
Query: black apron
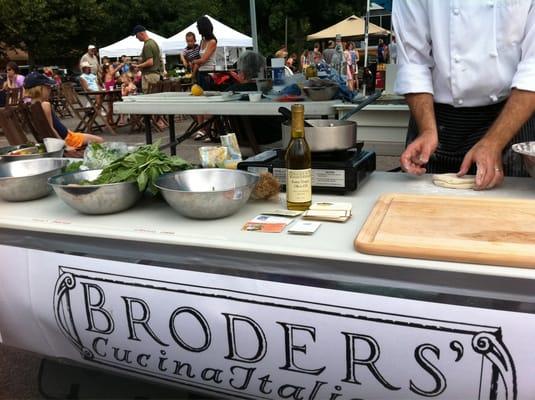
pixel 461 128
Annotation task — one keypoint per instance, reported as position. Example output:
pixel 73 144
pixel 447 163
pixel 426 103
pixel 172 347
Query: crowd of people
pixel 350 53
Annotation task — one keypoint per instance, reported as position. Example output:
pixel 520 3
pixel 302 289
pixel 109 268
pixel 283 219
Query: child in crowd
pixel 190 53
pixel 108 75
pixel 37 87
pixel 127 89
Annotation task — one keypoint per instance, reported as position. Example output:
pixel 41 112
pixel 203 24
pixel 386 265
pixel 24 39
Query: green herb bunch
pixel 144 165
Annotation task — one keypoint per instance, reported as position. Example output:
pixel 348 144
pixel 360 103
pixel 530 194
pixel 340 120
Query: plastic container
pixel 277 70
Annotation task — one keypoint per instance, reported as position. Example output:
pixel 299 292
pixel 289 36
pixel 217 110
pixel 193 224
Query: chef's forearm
pixel 422 110
pixel 517 110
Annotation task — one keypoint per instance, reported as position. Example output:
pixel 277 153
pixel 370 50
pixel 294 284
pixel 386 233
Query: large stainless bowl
pixel 527 150
pixel 208 193
pixel 27 179
pixel 320 93
pixel 4 157
pixel 94 199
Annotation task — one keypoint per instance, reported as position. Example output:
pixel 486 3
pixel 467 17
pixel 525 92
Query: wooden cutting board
pixel 464 229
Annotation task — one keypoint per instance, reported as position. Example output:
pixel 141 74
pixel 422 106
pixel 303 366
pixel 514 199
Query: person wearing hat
pixel 37 87
pixel 91 58
pixel 88 80
pixel 151 58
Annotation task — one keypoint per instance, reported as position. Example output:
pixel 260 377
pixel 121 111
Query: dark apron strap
pixel 461 128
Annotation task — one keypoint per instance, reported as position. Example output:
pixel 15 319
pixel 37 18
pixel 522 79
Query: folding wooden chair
pixel 59 102
pixel 82 112
pixel 10 124
pixel 13 97
pixel 42 129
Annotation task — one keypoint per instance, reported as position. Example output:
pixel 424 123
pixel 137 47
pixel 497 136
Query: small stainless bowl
pixel 207 193
pixel 264 85
pixel 94 199
pixel 527 150
pixel 4 157
pixel 27 179
pixel 320 93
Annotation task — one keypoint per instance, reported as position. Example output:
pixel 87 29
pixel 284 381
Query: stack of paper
pixel 324 211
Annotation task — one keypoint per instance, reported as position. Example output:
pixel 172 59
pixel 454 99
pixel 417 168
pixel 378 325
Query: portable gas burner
pixel 333 172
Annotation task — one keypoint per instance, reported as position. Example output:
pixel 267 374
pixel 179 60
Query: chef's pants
pixel 461 128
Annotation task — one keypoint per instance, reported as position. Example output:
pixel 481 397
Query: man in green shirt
pixel 151 58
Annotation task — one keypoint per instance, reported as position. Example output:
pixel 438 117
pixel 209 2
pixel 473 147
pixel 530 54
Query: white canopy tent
pixel 129 46
pixel 228 41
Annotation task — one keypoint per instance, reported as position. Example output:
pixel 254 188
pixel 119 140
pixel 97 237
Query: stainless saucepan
pixel 325 135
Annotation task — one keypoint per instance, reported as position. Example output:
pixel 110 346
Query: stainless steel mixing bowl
pixel 527 150
pixel 4 157
pixel 27 179
pixel 207 193
pixel 94 199
pixel 320 93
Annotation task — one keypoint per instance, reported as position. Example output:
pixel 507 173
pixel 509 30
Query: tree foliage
pixel 58 29
pixel 49 28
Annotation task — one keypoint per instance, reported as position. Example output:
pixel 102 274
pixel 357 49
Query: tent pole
pixel 366 28
pixel 286 32
pixel 252 7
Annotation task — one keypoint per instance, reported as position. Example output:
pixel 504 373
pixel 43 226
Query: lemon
pixel 196 90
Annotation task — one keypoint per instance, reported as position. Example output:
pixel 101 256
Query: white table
pixel 381 126
pixel 181 103
pixel 65 276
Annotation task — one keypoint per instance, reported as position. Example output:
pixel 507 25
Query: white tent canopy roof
pixel 226 37
pixel 349 27
pixel 129 46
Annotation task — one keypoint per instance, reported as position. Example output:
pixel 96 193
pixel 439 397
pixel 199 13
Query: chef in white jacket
pixel 467 69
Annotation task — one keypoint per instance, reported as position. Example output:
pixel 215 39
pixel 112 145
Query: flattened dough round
pixel 452 181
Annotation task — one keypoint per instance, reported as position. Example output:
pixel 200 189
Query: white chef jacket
pixel 466 53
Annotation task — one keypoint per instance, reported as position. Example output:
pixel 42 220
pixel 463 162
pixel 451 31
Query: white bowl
pixel 255 97
pixel 53 144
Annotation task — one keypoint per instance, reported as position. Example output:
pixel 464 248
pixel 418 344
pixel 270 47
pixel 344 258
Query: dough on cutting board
pixel 452 181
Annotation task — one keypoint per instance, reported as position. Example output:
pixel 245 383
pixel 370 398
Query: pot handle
pixel 361 105
pixel 287 114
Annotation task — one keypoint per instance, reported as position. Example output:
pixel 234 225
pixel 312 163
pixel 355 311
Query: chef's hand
pixel 417 154
pixel 488 159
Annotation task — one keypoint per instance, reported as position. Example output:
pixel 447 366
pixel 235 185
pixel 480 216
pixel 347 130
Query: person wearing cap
pixel 467 71
pixel 151 58
pixel 37 87
pixel 91 58
pixel 88 80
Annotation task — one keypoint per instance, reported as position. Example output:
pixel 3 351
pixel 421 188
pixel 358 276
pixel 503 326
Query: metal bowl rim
pixel 204 191
pixel 60 185
pixel 22 146
pixel 516 148
pixel 3 178
pixel 320 87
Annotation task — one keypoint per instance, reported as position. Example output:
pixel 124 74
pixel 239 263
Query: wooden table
pixel 180 103
pixel 108 97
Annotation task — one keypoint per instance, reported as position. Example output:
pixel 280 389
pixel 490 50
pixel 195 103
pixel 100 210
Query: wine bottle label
pixel 299 185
